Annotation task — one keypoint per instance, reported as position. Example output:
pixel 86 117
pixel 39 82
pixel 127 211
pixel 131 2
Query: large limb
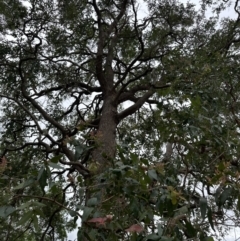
pixel 133 108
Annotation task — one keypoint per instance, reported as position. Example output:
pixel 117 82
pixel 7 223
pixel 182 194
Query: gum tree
pixel 118 117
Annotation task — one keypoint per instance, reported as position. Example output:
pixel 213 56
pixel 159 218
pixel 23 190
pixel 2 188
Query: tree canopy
pixel 119 119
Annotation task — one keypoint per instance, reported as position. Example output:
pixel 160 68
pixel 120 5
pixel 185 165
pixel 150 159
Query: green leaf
pixel 225 195
pixel 152 174
pixel 202 235
pixel 37 204
pixel 80 180
pixel 56 159
pixel 24 205
pixel 121 155
pixel 134 157
pixel 92 202
pixel 126 167
pixel 86 212
pixel 209 239
pixel 80 234
pixel 218 195
pixel 152 236
pixel 40 173
pixel 39 212
pixel 31 204
pixel 191 231
pixel 182 210
pixel 25 218
pixel 144 161
pixel 42 178
pixel 73 213
pixel 4 177
pixel 90 236
pixel 54 165
pixel 6 210
pixel 27 183
pixel 35 223
pixel 165 238
pixel 238 203
pixel 203 206
pixel 160 229
pixel 79 150
pixel 209 215
pixel 81 194
pixel 75 219
pixel 221 166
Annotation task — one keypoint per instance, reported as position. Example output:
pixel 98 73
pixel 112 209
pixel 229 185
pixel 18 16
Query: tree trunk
pixel 102 156
pixel 105 150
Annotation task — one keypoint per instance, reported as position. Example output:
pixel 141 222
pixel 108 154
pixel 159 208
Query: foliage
pixel 121 124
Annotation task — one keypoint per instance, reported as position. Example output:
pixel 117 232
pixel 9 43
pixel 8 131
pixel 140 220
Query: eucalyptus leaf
pixel 225 195
pixel 55 159
pixel 86 213
pixel 26 183
pixel 25 218
pixel 210 218
pixel 152 236
pixel 203 206
pixel 54 165
pixel 92 202
pixel 6 211
pixel 152 174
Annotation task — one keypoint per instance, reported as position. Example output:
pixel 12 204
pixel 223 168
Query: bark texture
pixel 106 135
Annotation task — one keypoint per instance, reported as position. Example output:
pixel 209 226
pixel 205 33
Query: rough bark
pixel 105 149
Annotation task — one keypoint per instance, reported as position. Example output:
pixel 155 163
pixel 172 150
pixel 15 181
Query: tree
pixel 127 122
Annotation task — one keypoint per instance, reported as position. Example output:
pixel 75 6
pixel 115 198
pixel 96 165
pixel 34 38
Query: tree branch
pixel 45 115
pixel 133 108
